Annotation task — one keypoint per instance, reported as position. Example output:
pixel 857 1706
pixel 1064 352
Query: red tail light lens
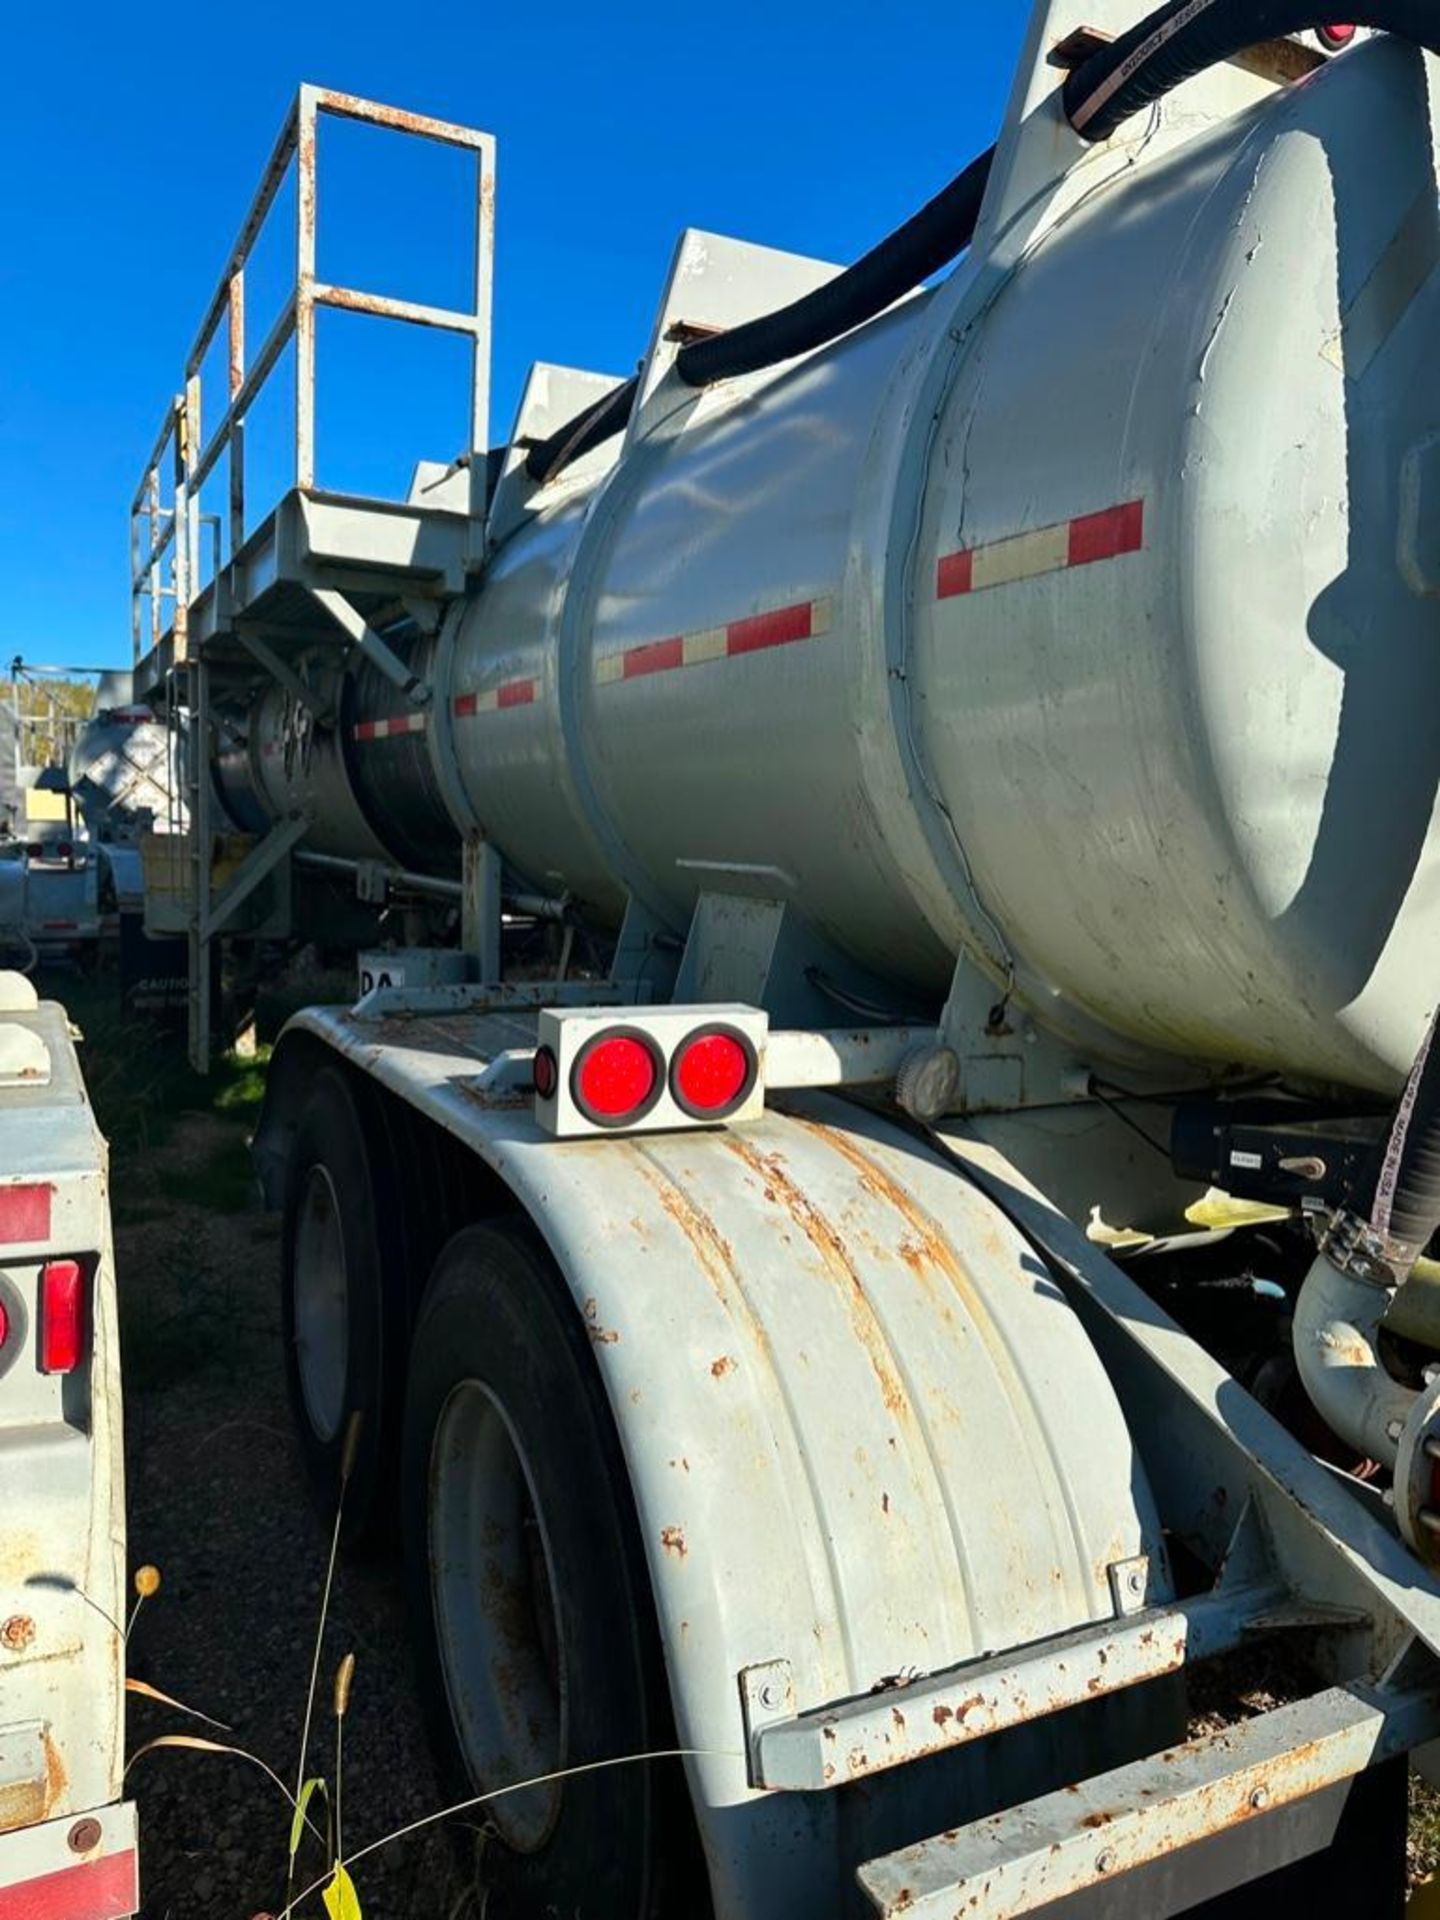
pixel 1336 37
pixel 713 1072
pixel 617 1077
pixel 545 1072
pixel 62 1316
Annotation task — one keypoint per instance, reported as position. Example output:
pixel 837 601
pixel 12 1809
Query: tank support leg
pixel 480 908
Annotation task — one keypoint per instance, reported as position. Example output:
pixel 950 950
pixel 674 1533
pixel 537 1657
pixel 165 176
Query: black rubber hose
pixel 1398 1197
pixel 1183 39
pixel 589 429
pixel 927 241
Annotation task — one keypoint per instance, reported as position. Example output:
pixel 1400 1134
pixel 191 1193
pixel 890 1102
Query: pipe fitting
pixel 1336 1342
pixel 1417 1477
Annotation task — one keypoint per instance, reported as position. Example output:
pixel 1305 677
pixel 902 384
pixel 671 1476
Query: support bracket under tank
pixel 363 636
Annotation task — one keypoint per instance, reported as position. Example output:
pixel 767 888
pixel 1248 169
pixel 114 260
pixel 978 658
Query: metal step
pixel 1099 1832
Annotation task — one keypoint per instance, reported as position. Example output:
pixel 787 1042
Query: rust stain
pixel 712 1250
pixel 351 107
pixel 719 1368
pixel 602 1336
pixel 771 1171
pixel 673 1541
pixel 943 1715
pixel 24 1803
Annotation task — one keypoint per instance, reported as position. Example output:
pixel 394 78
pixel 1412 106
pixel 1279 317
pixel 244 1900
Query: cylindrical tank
pixel 1086 629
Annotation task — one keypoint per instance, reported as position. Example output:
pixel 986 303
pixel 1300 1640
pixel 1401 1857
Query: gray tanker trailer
pixel 939 1276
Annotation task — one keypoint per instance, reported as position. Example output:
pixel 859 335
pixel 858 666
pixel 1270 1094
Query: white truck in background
pixel 67 1835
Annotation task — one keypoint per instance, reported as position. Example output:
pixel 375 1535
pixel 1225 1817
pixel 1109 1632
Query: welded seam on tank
pixel 828 1244
pixel 1006 1358
pixel 719 1265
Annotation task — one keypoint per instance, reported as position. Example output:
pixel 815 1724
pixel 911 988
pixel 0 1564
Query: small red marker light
pixel 4 1326
pixel 1336 37
pixel 713 1073
pixel 617 1077
pixel 62 1316
pixel 545 1073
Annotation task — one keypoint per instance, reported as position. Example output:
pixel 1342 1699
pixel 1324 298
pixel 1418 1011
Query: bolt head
pixel 1260 1799
pixel 17 1633
pixel 84 1836
pixel 1395 1429
pixel 1135 1580
pixel 1105 1863
pixel 770 1697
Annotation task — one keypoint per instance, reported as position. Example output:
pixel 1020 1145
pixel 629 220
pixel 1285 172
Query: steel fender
pixel 864 1432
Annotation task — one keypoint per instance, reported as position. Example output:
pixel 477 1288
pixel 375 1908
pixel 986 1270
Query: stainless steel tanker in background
pixel 1107 604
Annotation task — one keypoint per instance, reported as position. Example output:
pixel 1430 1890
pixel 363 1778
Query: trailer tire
pixel 529 1592
pixel 343 1308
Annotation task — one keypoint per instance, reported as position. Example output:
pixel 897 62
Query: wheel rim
pixel 321 1305
pixel 492 1587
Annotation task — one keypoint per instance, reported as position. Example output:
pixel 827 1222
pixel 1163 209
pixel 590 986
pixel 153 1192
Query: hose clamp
pixel 1354 1248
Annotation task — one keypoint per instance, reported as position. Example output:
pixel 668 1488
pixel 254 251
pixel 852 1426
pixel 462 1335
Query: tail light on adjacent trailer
pixel 62 1316
pixel 644 1069
pixel 1335 38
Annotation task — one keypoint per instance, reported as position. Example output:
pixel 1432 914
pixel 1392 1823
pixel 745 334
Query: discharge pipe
pixel 1370 1249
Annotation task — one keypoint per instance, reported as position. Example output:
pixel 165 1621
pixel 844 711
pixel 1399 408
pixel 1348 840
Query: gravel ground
pixel 218 1501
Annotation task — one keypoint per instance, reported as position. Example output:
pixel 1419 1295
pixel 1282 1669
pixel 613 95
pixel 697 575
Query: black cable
pixel 866 1009
pixel 590 428
pixel 1186 1093
pixel 1134 1125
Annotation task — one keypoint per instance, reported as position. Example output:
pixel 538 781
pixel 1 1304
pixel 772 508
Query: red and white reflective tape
pixel 105 1889
pixel 391 729
pixel 510 693
pixel 805 620
pixel 1025 556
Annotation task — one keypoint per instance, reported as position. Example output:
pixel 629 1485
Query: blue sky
pixel 130 153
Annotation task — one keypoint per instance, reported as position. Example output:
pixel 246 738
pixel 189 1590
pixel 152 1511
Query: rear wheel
pixel 536 1637
pixel 343 1304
